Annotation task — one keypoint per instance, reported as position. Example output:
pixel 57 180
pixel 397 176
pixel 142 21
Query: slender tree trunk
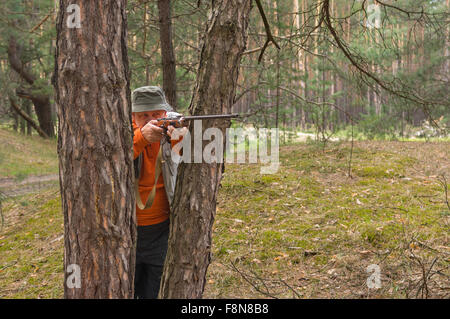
pixel 277 61
pixel 144 42
pixel 22 125
pixel 167 54
pixel 15 118
pixel 194 206
pixel 27 109
pixel 95 150
pixel 300 62
pixel 447 49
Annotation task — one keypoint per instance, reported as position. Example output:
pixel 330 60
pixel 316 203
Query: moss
pixel 228 281
pixel 266 255
pixel 321 260
pixel 374 171
pixel 270 237
pixel 268 179
pixel 32 261
pixel 265 223
pixel 372 236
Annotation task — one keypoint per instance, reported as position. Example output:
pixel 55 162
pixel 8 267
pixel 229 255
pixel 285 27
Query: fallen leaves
pixel 281 256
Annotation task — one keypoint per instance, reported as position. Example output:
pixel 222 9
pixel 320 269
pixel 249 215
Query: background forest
pixel 308 85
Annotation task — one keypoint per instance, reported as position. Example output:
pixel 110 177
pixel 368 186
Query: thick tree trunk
pixel 167 54
pixel 194 206
pixel 95 150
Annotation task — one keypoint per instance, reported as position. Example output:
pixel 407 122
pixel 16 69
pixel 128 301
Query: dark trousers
pixel 151 252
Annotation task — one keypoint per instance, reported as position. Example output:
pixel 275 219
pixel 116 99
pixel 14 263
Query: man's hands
pixel 176 133
pixel 151 132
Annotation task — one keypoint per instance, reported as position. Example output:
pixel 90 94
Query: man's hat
pixel 149 98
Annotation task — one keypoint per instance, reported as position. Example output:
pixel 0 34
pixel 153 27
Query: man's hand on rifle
pixel 179 132
pixel 151 132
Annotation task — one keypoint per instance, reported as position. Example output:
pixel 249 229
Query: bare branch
pixel 268 32
pixel 27 118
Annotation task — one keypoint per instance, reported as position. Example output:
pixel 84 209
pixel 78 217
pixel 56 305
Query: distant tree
pixel 31 89
pixel 167 54
pixel 26 58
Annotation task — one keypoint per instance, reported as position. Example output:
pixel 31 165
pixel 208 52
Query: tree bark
pixel 91 79
pixel 167 54
pixel 194 206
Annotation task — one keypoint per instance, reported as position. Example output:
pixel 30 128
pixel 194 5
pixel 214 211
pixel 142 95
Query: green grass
pixel 309 228
pixel 31 247
pixel 21 155
pixel 312 220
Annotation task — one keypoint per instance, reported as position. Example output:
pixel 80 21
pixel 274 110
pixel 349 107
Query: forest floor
pixel 22 156
pixel 309 231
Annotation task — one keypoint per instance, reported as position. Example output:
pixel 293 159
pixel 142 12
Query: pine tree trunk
pixel 15 119
pixel 27 109
pixel 95 150
pixel 22 123
pixel 194 206
pixel 167 54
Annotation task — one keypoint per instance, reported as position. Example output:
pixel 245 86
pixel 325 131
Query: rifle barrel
pixel 205 117
pixel 200 117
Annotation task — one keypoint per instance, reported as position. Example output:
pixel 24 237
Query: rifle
pixel 178 120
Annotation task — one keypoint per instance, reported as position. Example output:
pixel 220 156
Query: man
pixel 155 177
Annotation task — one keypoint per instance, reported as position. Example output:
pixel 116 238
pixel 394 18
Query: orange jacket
pixel 159 211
